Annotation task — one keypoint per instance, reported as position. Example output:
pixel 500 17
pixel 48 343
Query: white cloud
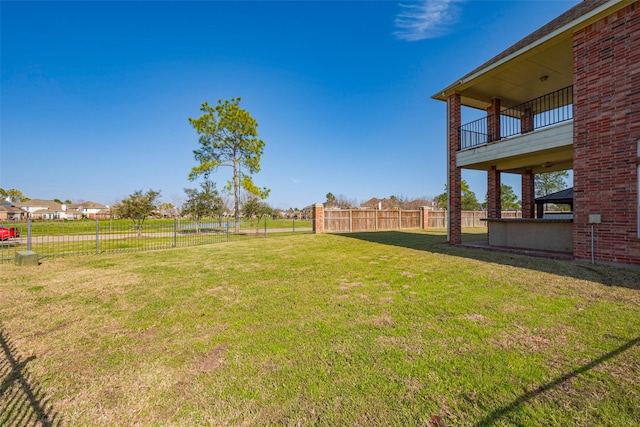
pixel 426 19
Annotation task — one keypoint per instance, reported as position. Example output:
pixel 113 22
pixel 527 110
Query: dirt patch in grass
pixel 474 317
pixel 384 321
pixel 212 361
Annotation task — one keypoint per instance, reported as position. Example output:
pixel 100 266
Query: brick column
pixel 454 179
pixel 526 121
pixel 493 120
pixel 424 213
pixel 494 204
pixel 318 218
pixel 528 194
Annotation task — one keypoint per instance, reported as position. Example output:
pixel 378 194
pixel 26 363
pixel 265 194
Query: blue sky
pixel 95 96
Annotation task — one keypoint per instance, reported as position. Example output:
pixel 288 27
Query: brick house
pixel 566 97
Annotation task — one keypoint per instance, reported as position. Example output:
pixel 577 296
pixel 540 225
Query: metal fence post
pixel 294 224
pixel 175 232
pixel 97 237
pixel 29 234
pixel 265 226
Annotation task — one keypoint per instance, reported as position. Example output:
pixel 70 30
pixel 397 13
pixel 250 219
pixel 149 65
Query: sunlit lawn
pixel 383 328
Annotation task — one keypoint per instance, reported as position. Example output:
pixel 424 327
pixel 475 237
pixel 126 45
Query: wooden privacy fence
pixel 438 219
pixel 353 220
pixel 346 220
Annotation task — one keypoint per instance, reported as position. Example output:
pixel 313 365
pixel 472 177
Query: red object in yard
pixel 7 233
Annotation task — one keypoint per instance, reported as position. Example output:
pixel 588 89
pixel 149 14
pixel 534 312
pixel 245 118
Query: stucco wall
pixel 537 234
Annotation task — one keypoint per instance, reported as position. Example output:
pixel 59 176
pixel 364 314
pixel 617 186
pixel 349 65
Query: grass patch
pixel 382 328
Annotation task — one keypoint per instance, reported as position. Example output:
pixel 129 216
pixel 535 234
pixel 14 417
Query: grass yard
pixel 383 328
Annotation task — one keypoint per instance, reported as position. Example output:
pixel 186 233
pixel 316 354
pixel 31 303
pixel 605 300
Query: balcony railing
pixel 547 110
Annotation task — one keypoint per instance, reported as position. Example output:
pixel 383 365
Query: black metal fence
pixel 58 238
pixel 547 110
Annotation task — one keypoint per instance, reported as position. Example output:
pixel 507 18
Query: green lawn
pixel 383 328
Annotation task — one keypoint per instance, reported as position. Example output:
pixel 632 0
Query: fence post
pixel 399 219
pixel 424 217
pixel 377 211
pixel 29 234
pixel 318 218
pixel 175 232
pixel 294 224
pixel 97 237
pixel 350 221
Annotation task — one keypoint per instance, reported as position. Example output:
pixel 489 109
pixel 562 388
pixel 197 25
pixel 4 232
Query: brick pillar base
pixel 318 218
pixel 424 213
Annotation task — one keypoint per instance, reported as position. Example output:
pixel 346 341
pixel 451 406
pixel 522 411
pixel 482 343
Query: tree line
pixel 544 184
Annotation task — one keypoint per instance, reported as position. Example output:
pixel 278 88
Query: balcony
pixel 547 110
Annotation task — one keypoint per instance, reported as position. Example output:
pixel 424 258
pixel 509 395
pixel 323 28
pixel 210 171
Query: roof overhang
pixel 540 66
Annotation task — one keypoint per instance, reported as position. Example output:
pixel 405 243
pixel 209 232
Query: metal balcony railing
pixel 547 110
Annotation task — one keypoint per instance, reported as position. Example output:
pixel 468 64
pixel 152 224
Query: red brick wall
pixel 455 174
pixel 606 133
pixel 528 194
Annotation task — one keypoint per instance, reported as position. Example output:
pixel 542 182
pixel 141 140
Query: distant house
pixel 42 209
pixel 48 209
pixel 91 210
pixel 8 212
pixel 566 97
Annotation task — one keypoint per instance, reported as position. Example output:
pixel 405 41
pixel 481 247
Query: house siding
pixel 606 134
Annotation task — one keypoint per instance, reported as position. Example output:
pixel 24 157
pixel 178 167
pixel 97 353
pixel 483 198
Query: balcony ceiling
pixel 523 78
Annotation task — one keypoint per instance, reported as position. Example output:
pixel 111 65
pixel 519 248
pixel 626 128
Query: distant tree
pixel 13 195
pixel 508 198
pixel 550 182
pixel 137 207
pixel 255 208
pixel 468 198
pixel 331 199
pixel 340 201
pixel 344 202
pixel 399 202
pixel 229 137
pixel 58 201
pixel 203 203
